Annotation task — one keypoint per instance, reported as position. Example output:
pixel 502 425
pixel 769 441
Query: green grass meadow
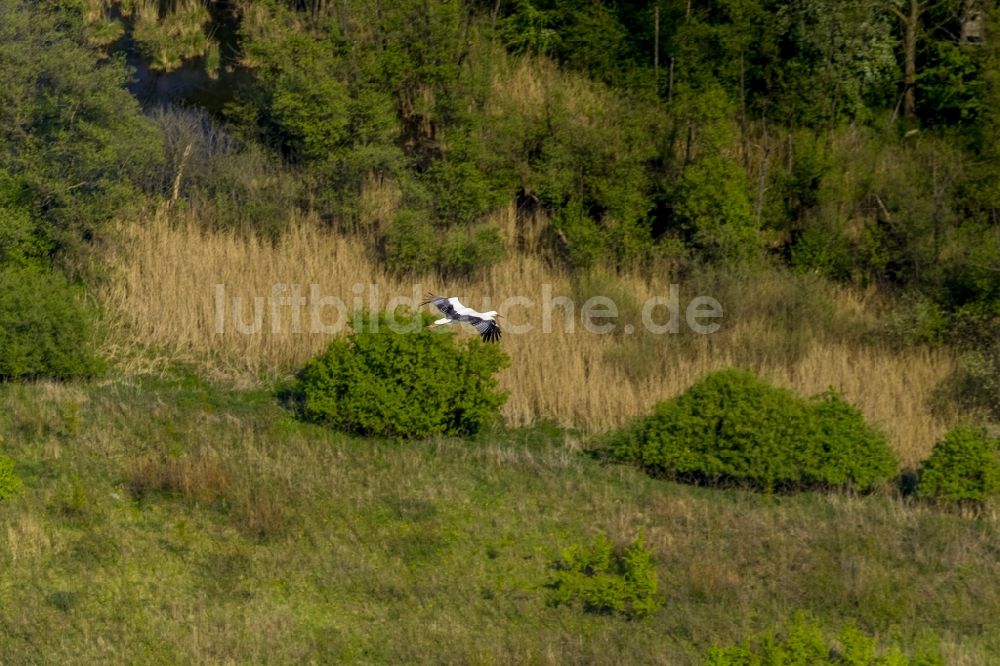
pixel 165 520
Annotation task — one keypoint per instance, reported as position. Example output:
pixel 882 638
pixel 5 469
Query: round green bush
pixel 403 383
pixel 9 482
pixel 605 579
pixel 963 467
pixel 732 427
pixel 44 326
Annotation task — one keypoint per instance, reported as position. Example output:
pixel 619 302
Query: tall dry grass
pixel 162 297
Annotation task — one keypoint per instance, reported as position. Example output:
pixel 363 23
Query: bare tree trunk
pixel 176 191
pixel 911 33
pixel 494 16
pixel 670 82
pixel 656 47
pixel 912 26
pixel 743 113
pixel 758 208
pixel 761 188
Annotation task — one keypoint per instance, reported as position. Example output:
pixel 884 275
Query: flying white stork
pixel 484 322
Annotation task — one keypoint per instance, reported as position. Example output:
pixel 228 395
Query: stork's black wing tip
pixel 492 334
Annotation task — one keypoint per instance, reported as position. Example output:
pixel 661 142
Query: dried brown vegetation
pixel 163 293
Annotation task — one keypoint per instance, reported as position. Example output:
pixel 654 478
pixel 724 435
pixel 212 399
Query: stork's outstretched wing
pixel 488 329
pixel 448 306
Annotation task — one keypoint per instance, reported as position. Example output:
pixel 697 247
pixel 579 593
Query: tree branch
pixel 902 17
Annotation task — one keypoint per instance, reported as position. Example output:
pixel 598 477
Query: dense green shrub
pixel 581 239
pixel 804 644
pixel 822 249
pixel 732 427
pixel 963 467
pixel 44 326
pixel 9 482
pixel 413 246
pixel 397 379
pixel 466 251
pixel 459 191
pixel 20 239
pixel 409 245
pixel 714 209
pixel 607 580
pixel 848 451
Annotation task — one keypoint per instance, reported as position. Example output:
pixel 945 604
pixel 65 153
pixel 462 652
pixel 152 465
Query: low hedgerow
pixel 9 481
pixel 963 467
pixel 605 579
pixel 399 379
pixel 732 427
pixel 44 326
pixel 804 644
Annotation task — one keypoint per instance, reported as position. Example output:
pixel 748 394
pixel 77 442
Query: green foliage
pixel 811 63
pixel 582 156
pixel 732 427
pixel 713 208
pixel 849 451
pixel 843 67
pixel 44 326
pixel 913 219
pixel 70 133
pixel 468 251
pixel 605 579
pixel 393 378
pixel 589 173
pixel 460 190
pixel 10 483
pixel 527 29
pixel 588 37
pixel 963 467
pixel 951 86
pixel 581 237
pixel 413 246
pixel 410 245
pixel 820 249
pixel 169 40
pixel 19 235
pixel 319 102
pixel 308 104
pixel 969 278
pixel 804 644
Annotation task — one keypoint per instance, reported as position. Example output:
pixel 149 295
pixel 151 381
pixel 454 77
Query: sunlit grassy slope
pixel 166 521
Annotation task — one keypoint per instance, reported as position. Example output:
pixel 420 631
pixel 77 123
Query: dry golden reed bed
pixel 162 296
